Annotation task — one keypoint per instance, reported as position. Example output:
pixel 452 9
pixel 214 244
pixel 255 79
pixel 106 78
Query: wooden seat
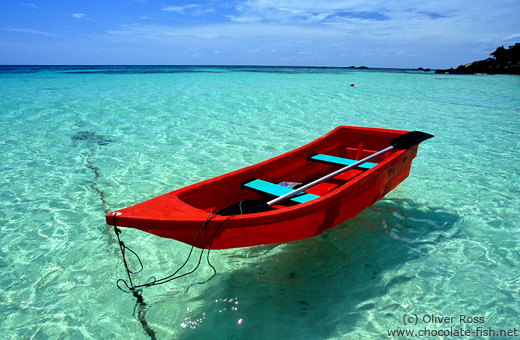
pixel 278 190
pixel 341 161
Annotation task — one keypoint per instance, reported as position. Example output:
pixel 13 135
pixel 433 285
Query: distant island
pixel 503 61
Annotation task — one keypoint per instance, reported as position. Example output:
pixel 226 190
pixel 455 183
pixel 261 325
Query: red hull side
pixel 180 214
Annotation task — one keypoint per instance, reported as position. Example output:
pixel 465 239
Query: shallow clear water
pixel 79 141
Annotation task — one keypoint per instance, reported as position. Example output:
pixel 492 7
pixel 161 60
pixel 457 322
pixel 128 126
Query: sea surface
pixel 437 255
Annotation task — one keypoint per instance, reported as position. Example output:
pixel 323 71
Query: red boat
pixel 341 186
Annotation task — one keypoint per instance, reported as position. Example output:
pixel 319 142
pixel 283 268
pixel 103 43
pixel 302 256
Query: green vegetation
pixel 503 61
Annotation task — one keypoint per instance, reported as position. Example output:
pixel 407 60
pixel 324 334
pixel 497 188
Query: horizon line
pixel 213 65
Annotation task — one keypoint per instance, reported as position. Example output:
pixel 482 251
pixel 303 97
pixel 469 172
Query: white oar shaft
pixel 337 172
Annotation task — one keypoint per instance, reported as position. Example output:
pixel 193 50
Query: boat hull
pixel 180 214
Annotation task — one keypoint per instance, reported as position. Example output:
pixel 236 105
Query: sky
pixel 376 33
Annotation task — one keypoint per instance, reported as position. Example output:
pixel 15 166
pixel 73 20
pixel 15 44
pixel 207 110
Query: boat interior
pixel 268 179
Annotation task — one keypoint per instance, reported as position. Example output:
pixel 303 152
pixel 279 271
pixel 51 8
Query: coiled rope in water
pixel 130 287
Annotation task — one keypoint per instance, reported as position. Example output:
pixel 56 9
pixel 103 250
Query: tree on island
pixel 512 54
pixel 500 54
pixel 504 61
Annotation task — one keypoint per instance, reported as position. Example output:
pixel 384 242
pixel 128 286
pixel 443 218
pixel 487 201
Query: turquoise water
pixel 79 141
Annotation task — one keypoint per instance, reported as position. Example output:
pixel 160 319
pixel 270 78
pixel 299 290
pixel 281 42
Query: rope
pixel 140 305
pixel 130 287
pixel 91 166
pixel 209 263
pixel 124 248
pixel 136 290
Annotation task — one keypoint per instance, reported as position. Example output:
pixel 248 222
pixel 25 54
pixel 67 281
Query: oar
pixel 404 141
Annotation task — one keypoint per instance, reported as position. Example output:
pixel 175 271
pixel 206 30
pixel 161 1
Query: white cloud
pixel 513 37
pixel 400 21
pixel 380 32
pixel 309 11
pixel 179 9
pixel 29 31
pixel 30 5
pixel 82 16
pixel 193 9
pixel 230 30
pixel 244 19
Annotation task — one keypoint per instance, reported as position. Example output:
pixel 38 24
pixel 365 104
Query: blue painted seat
pixel 341 161
pixel 278 190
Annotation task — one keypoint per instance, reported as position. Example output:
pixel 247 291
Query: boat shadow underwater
pixel 313 288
